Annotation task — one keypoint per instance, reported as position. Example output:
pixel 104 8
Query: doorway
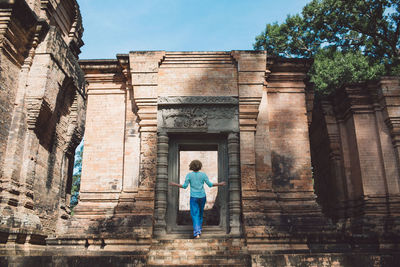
pixel 211 150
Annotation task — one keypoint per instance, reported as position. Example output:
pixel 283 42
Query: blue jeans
pixel 196 211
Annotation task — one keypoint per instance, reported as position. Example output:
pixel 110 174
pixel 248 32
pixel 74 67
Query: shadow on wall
pixel 283 172
pixel 215 79
pixel 122 226
pixel 53 178
pixel 288 139
pixel 47 123
pixel 326 188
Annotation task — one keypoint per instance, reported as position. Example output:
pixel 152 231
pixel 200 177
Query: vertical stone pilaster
pixel 335 155
pixel 103 156
pixel 389 93
pixel 327 159
pixel 234 183
pixel 263 147
pixel 17 173
pixel 144 67
pixel 161 184
pixel 354 104
pixel 251 82
pixel 248 111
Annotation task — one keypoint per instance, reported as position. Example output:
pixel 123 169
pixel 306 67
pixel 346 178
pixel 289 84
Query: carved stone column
pixel 234 183
pixel 251 81
pixel 161 184
pixel 389 97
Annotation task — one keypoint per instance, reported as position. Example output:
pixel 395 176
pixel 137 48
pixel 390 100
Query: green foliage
pixel 345 37
pixel 287 39
pixel 333 70
pixel 76 177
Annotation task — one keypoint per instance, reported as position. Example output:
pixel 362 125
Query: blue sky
pixel 114 27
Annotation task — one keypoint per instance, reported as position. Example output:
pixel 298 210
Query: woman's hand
pixel 175 184
pixel 220 184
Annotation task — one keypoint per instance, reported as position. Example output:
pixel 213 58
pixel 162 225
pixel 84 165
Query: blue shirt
pixel 196 181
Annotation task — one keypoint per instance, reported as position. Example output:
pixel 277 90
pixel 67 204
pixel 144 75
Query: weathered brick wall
pixel 8 83
pixel 359 150
pixel 103 156
pixel 43 117
pixel 290 151
pixel 197 81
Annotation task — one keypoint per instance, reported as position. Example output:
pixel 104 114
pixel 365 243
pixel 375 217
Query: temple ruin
pixel 310 182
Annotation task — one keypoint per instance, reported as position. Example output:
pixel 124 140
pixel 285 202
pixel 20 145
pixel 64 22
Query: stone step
pixel 196 247
pixel 208 239
pixel 200 264
pixel 217 260
pixel 198 252
pixel 198 244
pixel 204 252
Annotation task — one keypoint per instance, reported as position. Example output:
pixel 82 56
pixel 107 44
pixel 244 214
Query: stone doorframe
pixel 206 142
pixel 198 114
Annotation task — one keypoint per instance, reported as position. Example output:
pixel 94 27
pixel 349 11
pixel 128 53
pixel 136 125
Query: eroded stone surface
pixel 256 111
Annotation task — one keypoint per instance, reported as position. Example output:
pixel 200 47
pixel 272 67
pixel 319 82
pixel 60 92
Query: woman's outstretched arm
pixel 175 184
pixel 219 184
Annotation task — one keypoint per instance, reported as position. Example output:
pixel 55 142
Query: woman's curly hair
pixel 195 165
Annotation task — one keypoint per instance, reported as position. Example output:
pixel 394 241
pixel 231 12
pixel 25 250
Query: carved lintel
pixel 197 100
pixel 201 114
pixel 195 117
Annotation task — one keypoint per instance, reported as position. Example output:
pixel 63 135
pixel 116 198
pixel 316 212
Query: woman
pixel 196 179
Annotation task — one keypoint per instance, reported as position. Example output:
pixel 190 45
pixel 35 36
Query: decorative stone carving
pixel 185 118
pixel 234 183
pixel 161 184
pixel 198 113
pixel 190 100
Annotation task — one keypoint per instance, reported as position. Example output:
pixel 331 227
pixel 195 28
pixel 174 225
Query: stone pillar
pixel 18 187
pixel 144 67
pixel 234 184
pixel 389 97
pixel 389 92
pixel 131 144
pixel 355 106
pixel 103 155
pixel 251 81
pixel 161 184
pixel 286 200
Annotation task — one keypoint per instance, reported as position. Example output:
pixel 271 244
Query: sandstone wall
pixel 356 164
pixel 42 115
pixel 120 158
